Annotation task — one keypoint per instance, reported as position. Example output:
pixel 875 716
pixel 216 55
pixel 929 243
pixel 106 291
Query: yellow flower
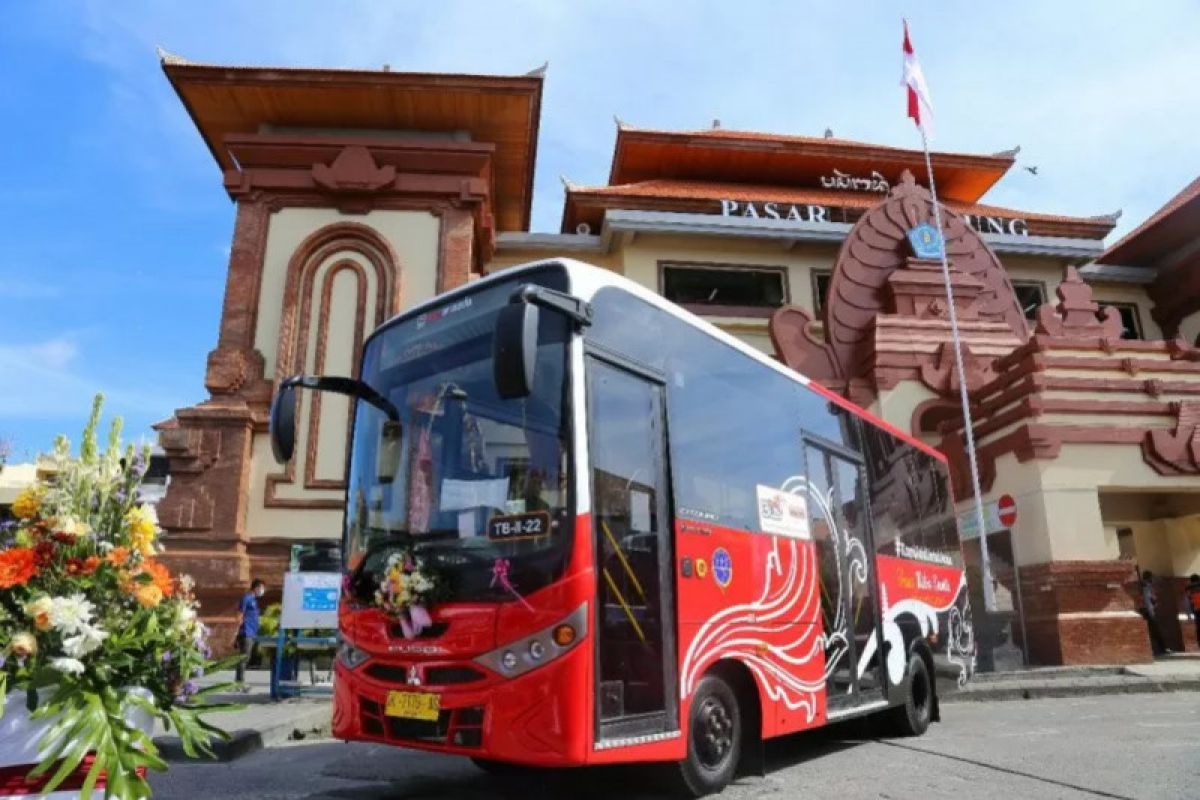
pixel 143 529
pixel 39 611
pixel 148 595
pixel 27 502
pixel 23 644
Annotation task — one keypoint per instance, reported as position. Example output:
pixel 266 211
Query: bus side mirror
pixel 515 351
pixel 283 422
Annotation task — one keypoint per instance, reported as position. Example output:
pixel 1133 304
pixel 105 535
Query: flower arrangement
pixel 92 623
pixel 407 587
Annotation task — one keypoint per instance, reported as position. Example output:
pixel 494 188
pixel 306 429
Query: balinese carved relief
pixel 354 170
pixel 1177 451
pixel 878 288
pixel 1076 315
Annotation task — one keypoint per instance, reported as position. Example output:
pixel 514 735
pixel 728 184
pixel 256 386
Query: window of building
pixel 731 290
pixel 1031 295
pixel 820 290
pixel 1131 323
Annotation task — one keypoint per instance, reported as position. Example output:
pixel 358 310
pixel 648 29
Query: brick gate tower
pixel 358 194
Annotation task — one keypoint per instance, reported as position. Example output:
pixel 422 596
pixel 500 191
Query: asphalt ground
pixel 1113 746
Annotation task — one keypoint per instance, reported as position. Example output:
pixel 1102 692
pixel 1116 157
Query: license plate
pixel 413 705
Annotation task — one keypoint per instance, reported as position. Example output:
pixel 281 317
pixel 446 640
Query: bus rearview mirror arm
pixel 283 407
pixel 515 344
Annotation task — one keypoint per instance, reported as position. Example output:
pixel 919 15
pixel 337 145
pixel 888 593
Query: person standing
pixel 1149 607
pixel 248 628
pixel 1191 594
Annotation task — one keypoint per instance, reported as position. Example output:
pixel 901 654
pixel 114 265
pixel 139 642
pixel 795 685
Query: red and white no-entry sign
pixel 1006 510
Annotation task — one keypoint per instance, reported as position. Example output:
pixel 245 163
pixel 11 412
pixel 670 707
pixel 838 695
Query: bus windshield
pixel 465 478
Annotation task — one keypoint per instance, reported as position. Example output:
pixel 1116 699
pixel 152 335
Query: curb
pixel 313 721
pixel 1092 687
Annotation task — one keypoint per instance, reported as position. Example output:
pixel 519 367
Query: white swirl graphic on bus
pixel 765 636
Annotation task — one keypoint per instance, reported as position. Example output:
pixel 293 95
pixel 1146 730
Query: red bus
pixel 657 544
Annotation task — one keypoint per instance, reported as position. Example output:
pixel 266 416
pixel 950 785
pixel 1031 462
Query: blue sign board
pixel 926 241
pixel 320 598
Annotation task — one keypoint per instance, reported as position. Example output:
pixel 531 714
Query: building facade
pixel 360 194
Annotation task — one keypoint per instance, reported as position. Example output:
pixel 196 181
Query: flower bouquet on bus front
pixel 97 637
pixel 407 589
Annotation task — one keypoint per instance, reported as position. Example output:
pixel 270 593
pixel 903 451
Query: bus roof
pixel 586 280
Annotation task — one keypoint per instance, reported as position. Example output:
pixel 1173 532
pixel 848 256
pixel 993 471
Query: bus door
pixel 635 633
pixel 838 511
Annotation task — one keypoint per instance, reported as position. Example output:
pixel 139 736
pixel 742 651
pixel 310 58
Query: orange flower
pixel 17 566
pixel 119 556
pixel 90 565
pixel 148 595
pixel 161 575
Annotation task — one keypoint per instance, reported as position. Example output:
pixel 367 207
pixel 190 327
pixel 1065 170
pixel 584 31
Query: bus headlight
pixel 517 658
pixel 351 656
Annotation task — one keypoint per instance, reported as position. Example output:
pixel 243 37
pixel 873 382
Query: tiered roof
pixel 692 170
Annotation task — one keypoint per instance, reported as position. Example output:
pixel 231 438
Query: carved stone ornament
pixel 1076 315
pixel 942 375
pixel 792 334
pixel 354 171
pixel 1176 452
pixel 231 369
pixel 876 277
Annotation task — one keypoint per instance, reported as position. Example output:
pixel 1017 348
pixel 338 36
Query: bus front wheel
pixel 913 718
pixel 714 738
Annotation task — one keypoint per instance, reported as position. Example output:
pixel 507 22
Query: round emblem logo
pixel 722 566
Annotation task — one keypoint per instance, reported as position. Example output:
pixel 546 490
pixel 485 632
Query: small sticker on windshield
pixel 518 526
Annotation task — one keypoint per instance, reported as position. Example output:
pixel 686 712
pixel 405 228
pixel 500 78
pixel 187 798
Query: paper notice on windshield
pixel 458 494
pixel 466 524
pixel 639 511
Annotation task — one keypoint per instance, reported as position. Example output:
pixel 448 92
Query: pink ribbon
pixel 500 575
pixel 413 620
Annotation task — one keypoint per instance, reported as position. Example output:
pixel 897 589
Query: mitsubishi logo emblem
pixel 414 677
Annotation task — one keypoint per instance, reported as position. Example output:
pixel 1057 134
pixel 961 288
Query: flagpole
pixel 989 600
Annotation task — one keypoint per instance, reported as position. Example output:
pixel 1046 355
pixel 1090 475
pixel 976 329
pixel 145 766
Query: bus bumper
pixel 539 718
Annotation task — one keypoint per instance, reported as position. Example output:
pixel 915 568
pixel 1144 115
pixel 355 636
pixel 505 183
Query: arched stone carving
pixel 361 257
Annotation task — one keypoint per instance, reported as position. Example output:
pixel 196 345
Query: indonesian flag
pixel 920 107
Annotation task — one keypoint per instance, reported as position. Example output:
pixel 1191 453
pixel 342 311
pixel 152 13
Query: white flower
pixel 86 641
pixel 70 614
pixel 69 666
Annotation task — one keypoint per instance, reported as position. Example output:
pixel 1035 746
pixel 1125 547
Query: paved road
pixel 1130 746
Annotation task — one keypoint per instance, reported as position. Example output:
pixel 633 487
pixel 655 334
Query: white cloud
pixel 47 380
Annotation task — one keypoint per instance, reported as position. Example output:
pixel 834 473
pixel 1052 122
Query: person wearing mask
pixel 1149 606
pixel 1191 594
pixel 247 628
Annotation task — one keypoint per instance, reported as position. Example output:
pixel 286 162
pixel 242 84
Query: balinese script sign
pixel 841 180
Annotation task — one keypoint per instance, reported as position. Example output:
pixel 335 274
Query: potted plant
pixel 97 637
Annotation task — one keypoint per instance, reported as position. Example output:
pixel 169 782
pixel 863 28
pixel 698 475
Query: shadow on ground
pixel 409 775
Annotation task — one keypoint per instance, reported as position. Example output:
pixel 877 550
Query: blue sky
pixel 116 229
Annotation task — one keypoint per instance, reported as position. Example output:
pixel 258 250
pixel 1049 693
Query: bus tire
pixel 499 768
pixel 714 738
pixel 913 717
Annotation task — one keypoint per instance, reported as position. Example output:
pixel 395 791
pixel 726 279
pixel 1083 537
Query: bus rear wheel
pixel 714 738
pixel 913 718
